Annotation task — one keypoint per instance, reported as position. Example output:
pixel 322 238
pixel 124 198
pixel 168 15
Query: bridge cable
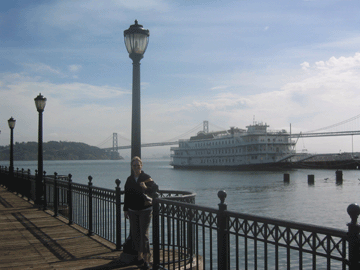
pixel 335 125
pixel 121 137
pixel 220 128
pixel 185 133
pixel 105 141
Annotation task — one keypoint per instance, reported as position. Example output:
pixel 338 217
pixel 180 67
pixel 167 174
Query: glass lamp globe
pixel 40 102
pixel 136 39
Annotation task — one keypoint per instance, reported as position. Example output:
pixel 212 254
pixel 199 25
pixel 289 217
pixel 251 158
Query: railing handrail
pixel 292 224
pixel 273 221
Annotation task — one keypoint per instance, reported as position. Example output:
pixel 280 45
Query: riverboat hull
pixel 253 167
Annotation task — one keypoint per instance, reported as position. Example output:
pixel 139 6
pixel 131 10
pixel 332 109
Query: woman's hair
pixel 136 159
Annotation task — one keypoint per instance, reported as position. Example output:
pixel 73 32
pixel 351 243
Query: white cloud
pixel 75 68
pixel 305 65
pixel 41 68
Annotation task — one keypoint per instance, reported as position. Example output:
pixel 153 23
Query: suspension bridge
pixel 332 130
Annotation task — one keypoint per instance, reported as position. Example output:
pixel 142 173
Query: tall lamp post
pixel 136 41
pixel 40 102
pixel 11 123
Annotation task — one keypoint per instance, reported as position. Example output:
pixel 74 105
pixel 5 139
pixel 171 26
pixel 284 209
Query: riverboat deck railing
pixel 189 236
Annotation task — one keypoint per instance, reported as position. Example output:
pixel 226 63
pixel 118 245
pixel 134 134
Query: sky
pixel 284 62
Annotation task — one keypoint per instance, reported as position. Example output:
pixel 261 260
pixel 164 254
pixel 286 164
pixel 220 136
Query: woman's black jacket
pixel 134 194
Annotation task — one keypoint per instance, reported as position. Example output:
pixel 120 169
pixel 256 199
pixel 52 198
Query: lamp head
pixel 40 102
pixel 11 123
pixel 136 39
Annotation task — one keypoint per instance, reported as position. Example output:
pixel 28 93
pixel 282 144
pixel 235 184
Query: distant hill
pixel 57 151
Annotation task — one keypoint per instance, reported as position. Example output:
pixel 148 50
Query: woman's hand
pixel 126 214
pixel 143 185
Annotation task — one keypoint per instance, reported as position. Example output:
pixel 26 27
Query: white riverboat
pixel 255 147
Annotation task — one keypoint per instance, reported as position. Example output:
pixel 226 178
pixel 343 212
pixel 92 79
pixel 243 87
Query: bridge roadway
pixel 33 239
pixel 294 136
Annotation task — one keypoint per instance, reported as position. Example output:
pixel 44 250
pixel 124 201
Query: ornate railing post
pixel 353 237
pixel 190 236
pixel 22 184
pixel 223 238
pixel 156 234
pixel 56 195
pixel 15 180
pixel 90 214
pixel 69 201
pixel 44 191
pixel 7 178
pixel 29 186
pixel 118 215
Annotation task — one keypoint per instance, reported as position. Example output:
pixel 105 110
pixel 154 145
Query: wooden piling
pixel 311 179
pixel 286 178
pixel 339 177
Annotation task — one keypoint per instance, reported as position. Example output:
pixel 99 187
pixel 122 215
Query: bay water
pixel 261 193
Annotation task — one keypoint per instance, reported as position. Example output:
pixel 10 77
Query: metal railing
pixel 189 236
pixel 221 239
pixel 98 210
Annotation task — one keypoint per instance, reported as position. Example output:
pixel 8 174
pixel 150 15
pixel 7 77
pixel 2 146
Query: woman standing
pixel 138 209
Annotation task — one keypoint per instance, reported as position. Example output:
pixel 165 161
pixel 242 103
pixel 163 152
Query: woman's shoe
pixel 146 266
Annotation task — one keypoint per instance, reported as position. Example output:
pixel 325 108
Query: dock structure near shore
pixel 343 160
pixel 33 239
pixel 81 227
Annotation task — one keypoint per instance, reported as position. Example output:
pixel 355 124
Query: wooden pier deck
pixel 33 239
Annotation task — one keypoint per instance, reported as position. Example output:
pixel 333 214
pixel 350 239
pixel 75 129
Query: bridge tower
pixel 206 126
pixel 115 153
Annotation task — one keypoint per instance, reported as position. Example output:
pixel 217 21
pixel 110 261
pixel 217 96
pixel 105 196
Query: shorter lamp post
pixel 40 102
pixel 11 123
